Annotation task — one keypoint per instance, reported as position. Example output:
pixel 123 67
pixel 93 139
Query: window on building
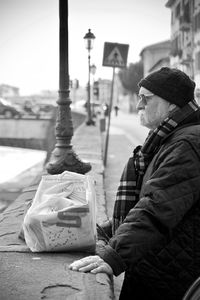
pixel 186 12
pixel 192 2
pixel 178 10
pixel 197 61
pixel 172 18
pixel 196 24
pixel 176 46
pixel 198 21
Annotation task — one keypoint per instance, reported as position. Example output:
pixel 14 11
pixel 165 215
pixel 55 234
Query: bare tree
pixel 130 77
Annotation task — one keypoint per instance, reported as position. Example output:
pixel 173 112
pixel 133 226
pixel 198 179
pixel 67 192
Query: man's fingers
pixel 93 264
pixel 89 267
pixel 84 262
pixel 103 268
pixel 100 269
pixel 77 265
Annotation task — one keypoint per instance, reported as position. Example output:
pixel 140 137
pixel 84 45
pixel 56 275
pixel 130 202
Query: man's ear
pixel 172 107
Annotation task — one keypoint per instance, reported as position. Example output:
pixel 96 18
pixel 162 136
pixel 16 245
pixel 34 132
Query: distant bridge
pixel 33 133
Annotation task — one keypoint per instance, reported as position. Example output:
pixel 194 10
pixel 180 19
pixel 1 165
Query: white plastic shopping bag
pixel 62 216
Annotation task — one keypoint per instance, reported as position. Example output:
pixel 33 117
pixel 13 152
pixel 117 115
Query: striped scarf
pixel 131 180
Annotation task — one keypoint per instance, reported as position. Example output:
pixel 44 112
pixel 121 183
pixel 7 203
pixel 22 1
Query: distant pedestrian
pixel 116 108
pixel 154 235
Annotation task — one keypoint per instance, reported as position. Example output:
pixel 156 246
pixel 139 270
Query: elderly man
pixel 154 235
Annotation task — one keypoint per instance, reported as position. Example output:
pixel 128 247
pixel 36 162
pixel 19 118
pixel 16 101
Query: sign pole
pixel 115 56
pixel 109 116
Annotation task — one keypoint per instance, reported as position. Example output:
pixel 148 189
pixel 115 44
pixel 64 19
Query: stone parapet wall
pixel 26 275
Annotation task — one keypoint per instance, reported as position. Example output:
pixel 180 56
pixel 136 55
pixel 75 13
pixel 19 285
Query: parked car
pixel 31 109
pixel 9 110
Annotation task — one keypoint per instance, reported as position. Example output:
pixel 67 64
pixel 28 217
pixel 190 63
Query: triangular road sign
pixel 115 55
pixel 115 58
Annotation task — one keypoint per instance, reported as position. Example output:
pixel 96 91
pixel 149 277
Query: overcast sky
pixel 29 37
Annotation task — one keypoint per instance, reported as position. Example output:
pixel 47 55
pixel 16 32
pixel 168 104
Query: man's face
pixel 151 108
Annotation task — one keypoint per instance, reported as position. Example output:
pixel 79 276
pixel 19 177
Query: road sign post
pixel 109 116
pixel 115 56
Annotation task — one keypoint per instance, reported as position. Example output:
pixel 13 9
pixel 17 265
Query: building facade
pixel 185 37
pixel 104 90
pixel 155 56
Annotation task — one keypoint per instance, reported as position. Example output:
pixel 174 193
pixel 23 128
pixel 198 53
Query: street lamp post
pixel 89 40
pixel 63 157
pixel 93 69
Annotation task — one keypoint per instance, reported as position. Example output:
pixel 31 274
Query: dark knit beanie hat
pixel 170 84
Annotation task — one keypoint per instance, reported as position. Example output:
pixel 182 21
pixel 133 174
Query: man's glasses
pixel 144 98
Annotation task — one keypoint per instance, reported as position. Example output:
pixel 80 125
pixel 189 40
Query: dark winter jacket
pixel 158 244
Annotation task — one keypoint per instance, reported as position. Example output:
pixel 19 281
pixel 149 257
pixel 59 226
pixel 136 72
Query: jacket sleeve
pixel 171 189
pixel 104 230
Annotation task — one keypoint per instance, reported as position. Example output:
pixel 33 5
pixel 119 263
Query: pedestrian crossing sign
pixel 115 55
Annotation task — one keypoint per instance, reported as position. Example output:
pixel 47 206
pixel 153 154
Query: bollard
pixel 102 124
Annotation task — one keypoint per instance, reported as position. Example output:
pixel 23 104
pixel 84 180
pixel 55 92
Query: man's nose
pixel 140 105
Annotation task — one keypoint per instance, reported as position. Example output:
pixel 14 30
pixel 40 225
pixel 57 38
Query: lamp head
pixel 93 69
pixel 89 40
